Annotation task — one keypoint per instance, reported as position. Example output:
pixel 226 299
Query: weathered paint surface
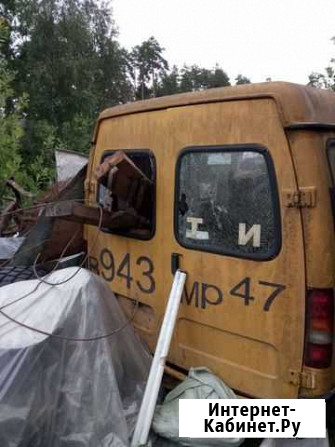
pixel 254 343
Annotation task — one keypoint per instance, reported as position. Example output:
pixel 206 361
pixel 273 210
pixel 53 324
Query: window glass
pixel 226 203
pixel 144 160
pixel 331 156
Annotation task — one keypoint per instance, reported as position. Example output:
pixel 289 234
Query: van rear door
pixel 236 233
pixel 313 154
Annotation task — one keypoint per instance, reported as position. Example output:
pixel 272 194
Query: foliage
pixel 11 131
pixel 191 79
pixel 324 80
pixel 64 56
pixel 72 56
pixel 242 80
pixel 61 64
pixel 218 78
pixel 148 64
pixel 77 133
pixel 151 75
pixel 169 82
pixel 196 78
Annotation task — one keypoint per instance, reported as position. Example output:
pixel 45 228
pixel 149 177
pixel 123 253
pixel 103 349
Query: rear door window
pixel 331 158
pixel 144 228
pixel 227 202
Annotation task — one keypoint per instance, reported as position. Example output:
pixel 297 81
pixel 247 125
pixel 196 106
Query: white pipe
pixel 147 409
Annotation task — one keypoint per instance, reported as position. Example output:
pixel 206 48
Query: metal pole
pixel 147 409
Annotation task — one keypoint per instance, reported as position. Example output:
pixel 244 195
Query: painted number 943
pixel 145 282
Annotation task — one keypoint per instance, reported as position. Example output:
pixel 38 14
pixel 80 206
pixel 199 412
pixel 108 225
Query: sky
pixel 284 40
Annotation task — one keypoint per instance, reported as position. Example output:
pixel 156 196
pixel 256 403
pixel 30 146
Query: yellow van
pixel 242 199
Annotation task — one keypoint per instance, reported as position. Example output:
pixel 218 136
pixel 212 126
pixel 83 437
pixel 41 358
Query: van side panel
pixel 309 150
pixel 257 352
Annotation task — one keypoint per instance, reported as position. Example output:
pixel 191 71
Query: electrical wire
pixel 49 273
pixel 42 280
pixel 37 206
pixel 64 337
pixel 88 254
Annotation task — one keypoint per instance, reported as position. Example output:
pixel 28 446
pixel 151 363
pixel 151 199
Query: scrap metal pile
pixel 67 353
pixel 62 212
pixel 72 369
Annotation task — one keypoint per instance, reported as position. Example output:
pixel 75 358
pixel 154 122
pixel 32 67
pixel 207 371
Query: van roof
pixel 297 104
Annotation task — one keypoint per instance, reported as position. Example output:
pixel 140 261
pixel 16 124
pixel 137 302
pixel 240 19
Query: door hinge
pixel 303 379
pixel 303 198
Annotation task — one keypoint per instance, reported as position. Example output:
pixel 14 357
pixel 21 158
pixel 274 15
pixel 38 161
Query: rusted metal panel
pixel 12 219
pixel 77 212
pixel 126 169
pixel 126 186
pixel 46 231
pixel 123 179
pixel 68 164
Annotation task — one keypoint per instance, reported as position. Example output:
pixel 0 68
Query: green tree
pixel 64 56
pixel 11 130
pixel 187 78
pixel 240 79
pixel 11 108
pixel 324 80
pixel 71 66
pixel 169 82
pixel 149 66
pixel 218 78
pixel 195 78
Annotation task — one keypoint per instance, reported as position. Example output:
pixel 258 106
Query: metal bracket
pixel 303 379
pixel 303 198
pixel 89 187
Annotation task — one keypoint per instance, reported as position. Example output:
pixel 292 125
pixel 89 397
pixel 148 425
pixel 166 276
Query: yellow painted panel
pixel 253 350
pixel 309 154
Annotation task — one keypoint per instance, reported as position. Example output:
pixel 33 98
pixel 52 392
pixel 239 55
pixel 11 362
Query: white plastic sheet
pixel 201 383
pixel 57 393
pixel 9 246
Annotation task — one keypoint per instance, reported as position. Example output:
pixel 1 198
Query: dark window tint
pixel 227 202
pixel 331 156
pixel 145 161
